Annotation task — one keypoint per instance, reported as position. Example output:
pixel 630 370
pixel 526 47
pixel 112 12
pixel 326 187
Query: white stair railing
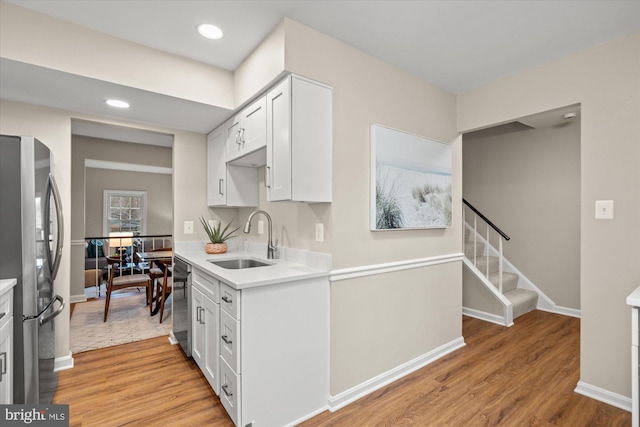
pixel 490 226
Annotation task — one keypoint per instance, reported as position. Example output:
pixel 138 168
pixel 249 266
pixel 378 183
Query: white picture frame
pixel 411 181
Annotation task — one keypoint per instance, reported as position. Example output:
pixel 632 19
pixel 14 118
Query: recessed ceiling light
pixel 117 103
pixel 210 31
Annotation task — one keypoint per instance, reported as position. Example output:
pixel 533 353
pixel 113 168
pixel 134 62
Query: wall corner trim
pixel 346 397
pixel 602 395
pixel 370 270
pixel 63 363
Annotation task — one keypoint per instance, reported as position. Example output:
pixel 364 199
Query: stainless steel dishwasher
pixel 182 305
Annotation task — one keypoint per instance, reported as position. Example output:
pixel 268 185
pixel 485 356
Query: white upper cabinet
pixel 216 168
pixel 247 132
pixel 228 185
pixel 298 113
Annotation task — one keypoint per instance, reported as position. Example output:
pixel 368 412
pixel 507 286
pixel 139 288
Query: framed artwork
pixel 410 181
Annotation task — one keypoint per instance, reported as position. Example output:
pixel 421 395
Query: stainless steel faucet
pixel 271 249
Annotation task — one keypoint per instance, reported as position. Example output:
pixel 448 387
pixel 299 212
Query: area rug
pixel 128 321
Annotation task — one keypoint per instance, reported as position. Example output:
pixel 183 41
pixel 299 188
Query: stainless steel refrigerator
pixel 30 250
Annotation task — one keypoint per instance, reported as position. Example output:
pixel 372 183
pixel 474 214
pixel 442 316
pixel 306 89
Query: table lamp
pixel 120 240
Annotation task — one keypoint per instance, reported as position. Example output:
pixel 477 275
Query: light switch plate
pixel 261 227
pixel 188 227
pixel 604 209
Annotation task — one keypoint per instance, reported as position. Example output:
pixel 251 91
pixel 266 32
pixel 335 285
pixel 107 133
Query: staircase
pixel 523 300
pixel 486 264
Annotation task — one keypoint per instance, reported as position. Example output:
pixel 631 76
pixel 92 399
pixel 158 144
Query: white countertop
pixel 6 284
pixel 634 298
pixel 279 272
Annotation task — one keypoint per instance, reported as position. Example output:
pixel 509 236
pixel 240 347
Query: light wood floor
pixel 519 376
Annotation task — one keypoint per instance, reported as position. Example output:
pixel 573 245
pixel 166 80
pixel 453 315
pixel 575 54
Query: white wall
pixel 605 81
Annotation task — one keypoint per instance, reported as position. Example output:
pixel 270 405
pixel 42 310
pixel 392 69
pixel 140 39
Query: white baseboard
pixel 77 298
pixel 487 317
pixel 369 386
pixel 63 363
pixel 602 395
pixel 172 338
pixel 565 311
pixel 307 417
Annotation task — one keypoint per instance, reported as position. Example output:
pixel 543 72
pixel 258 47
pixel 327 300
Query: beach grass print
pixel 413 184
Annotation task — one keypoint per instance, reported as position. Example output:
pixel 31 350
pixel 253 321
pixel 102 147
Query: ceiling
pixel 457 45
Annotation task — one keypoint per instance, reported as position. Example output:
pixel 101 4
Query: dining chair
pixel 155 271
pixel 123 280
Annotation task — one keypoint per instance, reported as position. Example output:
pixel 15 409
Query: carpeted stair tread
pixel 468 249
pixel 481 264
pixel 509 280
pixel 523 301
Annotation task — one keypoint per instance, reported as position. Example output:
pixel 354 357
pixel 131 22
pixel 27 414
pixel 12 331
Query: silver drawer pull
pixel 198 314
pixel 227 299
pixel 226 340
pixel 201 316
pixel 227 392
pixel 3 370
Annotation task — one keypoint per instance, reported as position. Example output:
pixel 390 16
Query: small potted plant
pixel 217 237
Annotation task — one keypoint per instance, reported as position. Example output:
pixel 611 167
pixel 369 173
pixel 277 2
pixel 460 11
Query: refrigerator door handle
pixel 44 319
pixel 52 190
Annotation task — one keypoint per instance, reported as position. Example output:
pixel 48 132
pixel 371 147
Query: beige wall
pixel 88 183
pixel 528 183
pixel 421 308
pixel 157 187
pixel 260 68
pixel 605 81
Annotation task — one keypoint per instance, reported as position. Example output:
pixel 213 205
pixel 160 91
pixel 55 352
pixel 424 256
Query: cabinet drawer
pixel 230 300
pixel 209 285
pixel 230 391
pixel 6 307
pixel 230 341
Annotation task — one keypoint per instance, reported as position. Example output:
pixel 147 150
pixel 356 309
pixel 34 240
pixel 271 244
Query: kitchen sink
pixel 240 263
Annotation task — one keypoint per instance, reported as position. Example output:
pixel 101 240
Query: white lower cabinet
pixel 205 327
pixel 6 365
pixel 273 350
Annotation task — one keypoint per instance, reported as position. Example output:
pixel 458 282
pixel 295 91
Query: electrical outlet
pixel 188 227
pixel 319 232
pixel 604 209
pixel 260 227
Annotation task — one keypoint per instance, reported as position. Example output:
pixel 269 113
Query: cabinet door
pixel 216 168
pixel 197 330
pixel 254 127
pixel 278 173
pixel 6 363
pixel 234 141
pixel 211 352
